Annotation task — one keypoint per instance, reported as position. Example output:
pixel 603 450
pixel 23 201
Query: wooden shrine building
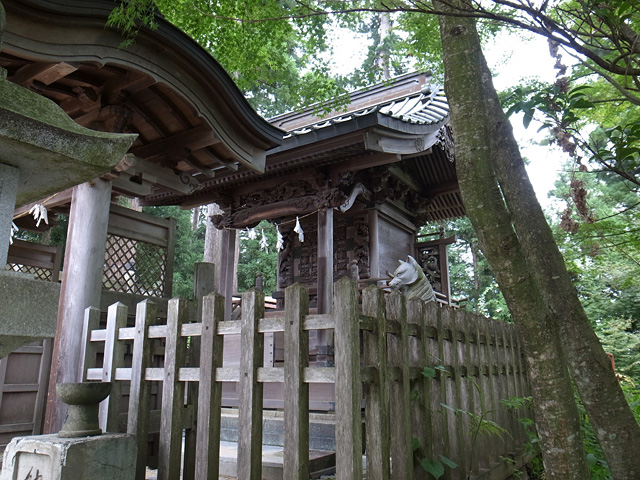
pixel 361 182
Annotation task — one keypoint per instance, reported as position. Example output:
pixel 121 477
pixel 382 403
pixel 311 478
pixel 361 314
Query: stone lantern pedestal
pixel 79 450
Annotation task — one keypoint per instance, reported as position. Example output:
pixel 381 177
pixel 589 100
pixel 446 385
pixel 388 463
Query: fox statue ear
pixel 413 262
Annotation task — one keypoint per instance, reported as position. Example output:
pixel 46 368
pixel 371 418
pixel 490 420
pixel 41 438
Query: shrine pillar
pixel 81 287
pixel 374 244
pixel 325 282
pixel 220 248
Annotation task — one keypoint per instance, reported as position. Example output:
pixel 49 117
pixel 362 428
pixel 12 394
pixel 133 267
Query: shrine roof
pixel 192 121
pixel 400 125
pixel 406 101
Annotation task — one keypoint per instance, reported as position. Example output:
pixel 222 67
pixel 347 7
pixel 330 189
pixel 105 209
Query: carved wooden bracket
pixel 251 216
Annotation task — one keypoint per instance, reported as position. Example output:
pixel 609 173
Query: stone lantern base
pixel 49 457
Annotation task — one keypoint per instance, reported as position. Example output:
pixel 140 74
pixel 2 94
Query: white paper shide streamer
pixel 12 232
pixel 252 234
pixel 39 213
pixel 264 244
pixel 280 242
pixel 298 230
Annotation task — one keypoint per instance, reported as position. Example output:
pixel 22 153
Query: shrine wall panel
pixel 395 243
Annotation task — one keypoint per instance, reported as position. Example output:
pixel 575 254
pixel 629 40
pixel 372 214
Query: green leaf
pixel 428 372
pixel 434 467
pixel 448 462
pixel 528 116
pixel 591 459
pixel 415 444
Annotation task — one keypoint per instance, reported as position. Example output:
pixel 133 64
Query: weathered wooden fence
pixel 381 348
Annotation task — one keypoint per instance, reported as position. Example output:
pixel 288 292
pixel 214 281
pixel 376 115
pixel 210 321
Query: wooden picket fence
pixel 382 345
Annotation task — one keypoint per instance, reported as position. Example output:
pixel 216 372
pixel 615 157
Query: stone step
pixel 322 429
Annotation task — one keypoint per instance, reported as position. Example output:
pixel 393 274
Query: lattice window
pixel 38 272
pixel 134 267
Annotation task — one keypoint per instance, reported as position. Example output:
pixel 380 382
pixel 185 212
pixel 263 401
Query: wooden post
pixel 81 286
pixel 203 285
pixel 399 394
pixel 114 351
pixel 210 391
pixel 325 283
pixel 325 260
pixel 376 393
pixel 167 288
pixel 250 391
pixel 472 388
pixel 453 431
pixel 170 452
pixel 220 249
pixel 213 244
pixel 296 391
pixel 420 407
pixel 348 381
pixel 374 244
pixel 459 398
pixel 227 270
pixel 90 349
pixel 140 390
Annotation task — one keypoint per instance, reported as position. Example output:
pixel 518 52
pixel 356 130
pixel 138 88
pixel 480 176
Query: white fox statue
pixel 411 281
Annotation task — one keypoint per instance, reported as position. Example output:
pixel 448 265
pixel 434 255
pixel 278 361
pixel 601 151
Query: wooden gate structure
pixel 382 346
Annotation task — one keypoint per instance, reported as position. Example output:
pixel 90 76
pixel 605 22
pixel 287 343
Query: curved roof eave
pixel 166 54
pixel 371 120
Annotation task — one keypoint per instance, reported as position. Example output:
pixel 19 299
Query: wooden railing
pixel 381 351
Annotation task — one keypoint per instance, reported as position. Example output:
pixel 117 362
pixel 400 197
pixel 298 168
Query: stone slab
pixel 320 462
pixel 322 429
pixel 48 457
pixel 29 310
pixel 9 177
pixel 51 150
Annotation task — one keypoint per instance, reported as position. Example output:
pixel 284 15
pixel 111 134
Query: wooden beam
pixel 361 163
pixel 194 139
pixel 158 175
pixel 45 73
pixel 60 198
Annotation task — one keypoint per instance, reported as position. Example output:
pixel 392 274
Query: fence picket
pixel 399 393
pixel 420 406
pixel 91 323
pixel 296 391
pixel 114 351
pixel 140 389
pixel 399 339
pixel 348 383
pixel 170 453
pixel 376 393
pixel 450 421
pixel 209 391
pixel 250 390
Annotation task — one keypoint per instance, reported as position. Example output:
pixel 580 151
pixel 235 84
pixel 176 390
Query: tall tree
pixel 519 245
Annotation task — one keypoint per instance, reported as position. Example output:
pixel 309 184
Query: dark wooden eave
pixel 400 126
pixel 192 122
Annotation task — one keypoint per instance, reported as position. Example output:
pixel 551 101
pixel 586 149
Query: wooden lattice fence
pixel 382 345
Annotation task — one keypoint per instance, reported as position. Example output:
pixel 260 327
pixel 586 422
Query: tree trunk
pixel 613 421
pixel 557 418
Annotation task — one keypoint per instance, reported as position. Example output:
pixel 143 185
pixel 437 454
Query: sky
pixel 511 59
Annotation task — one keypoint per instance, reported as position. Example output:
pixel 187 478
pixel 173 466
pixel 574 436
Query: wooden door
pixel 24 375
